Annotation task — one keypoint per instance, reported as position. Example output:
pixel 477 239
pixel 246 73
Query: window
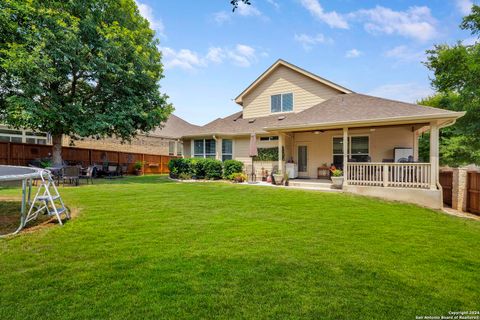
pixel 19 136
pixel 204 148
pixel 227 149
pixel 272 138
pixel 281 102
pixel 171 148
pixel 358 149
pixel 179 149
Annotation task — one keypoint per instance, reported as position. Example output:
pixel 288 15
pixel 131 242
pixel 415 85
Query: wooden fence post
pixel 9 153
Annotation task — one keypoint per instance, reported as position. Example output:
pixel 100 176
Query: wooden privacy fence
pixel 446 181
pixel 20 154
pixel 473 192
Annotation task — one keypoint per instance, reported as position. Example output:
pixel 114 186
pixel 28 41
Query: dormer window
pixel 281 102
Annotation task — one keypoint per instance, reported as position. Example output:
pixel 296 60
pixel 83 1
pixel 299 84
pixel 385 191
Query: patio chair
pixel 112 171
pixel 124 170
pixel 71 174
pixel 88 174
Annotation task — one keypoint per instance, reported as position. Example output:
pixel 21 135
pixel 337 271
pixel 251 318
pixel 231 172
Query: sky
pixel 211 54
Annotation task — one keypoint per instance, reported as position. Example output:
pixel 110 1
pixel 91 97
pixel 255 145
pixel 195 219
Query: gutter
pixel 396 120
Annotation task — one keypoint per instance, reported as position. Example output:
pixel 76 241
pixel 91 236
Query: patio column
pixel 434 167
pixel 345 155
pixel 280 153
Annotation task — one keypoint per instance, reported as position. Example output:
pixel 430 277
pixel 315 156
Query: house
pixel 164 140
pixel 312 121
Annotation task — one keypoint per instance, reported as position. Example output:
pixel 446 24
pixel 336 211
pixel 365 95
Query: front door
pixel 302 155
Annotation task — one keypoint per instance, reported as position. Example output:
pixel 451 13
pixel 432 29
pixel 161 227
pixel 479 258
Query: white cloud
pixel 353 53
pixel 183 59
pixel 247 10
pixel 308 41
pixel 332 18
pixel 240 55
pixel 415 22
pixel 407 92
pixel 147 12
pixel 464 6
pixel 274 3
pixel 243 10
pixel 406 54
pixel 221 17
pixel 216 55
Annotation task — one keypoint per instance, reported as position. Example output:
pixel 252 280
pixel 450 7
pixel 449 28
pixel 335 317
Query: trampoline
pixel 46 199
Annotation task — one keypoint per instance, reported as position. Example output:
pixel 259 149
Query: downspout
pixel 217 157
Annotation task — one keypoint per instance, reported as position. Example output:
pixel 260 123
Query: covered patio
pixel 377 159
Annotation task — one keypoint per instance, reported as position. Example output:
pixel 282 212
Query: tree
pixel 456 72
pixel 79 68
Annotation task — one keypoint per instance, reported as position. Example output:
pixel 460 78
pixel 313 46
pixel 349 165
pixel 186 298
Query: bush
pixel 213 169
pixel 184 176
pixel 180 166
pixel 196 168
pixel 238 177
pixel 232 166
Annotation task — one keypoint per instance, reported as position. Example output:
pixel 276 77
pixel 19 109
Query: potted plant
pixel 138 166
pixel 337 178
pixel 277 177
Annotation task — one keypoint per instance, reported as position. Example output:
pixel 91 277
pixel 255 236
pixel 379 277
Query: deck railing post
pixel 385 175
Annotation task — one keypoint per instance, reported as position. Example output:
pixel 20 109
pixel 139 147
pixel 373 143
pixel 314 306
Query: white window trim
pixel 227 154
pixel 350 145
pixel 179 150
pixel 172 153
pixel 281 102
pixel 204 154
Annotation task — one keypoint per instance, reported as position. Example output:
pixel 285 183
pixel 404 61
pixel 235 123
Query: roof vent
pixel 251 120
pixel 281 117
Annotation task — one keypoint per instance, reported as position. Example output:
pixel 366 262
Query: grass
pixel 147 248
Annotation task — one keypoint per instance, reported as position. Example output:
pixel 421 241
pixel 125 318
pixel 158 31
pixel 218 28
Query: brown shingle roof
pixel 174 127
pixel 341 109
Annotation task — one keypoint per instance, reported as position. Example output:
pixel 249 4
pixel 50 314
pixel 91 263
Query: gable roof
pixel 351 109
pixel 280 62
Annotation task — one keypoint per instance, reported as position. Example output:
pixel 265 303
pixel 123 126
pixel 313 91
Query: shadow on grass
pixel 147 179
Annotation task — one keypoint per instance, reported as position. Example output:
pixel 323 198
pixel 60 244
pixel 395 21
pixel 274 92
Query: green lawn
pixel 147 248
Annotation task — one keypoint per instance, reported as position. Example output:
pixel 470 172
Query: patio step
pixel 312 185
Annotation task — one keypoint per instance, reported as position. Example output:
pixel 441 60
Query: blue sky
pixel 374 47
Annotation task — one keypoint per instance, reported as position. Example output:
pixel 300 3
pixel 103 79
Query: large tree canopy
pixel 79 68
pixel 456 72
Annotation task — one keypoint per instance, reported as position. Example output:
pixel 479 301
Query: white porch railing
pixel 404 175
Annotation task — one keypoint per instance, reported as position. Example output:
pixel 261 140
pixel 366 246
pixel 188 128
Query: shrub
pixel 184 176
pixel 196 168
pixel 138 165
pixel 213 169
pixel 238 177
pixel 178 166
pixel 232 166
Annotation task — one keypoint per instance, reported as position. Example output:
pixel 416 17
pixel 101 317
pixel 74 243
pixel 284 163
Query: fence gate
pixel 446 180
pixel 473 192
